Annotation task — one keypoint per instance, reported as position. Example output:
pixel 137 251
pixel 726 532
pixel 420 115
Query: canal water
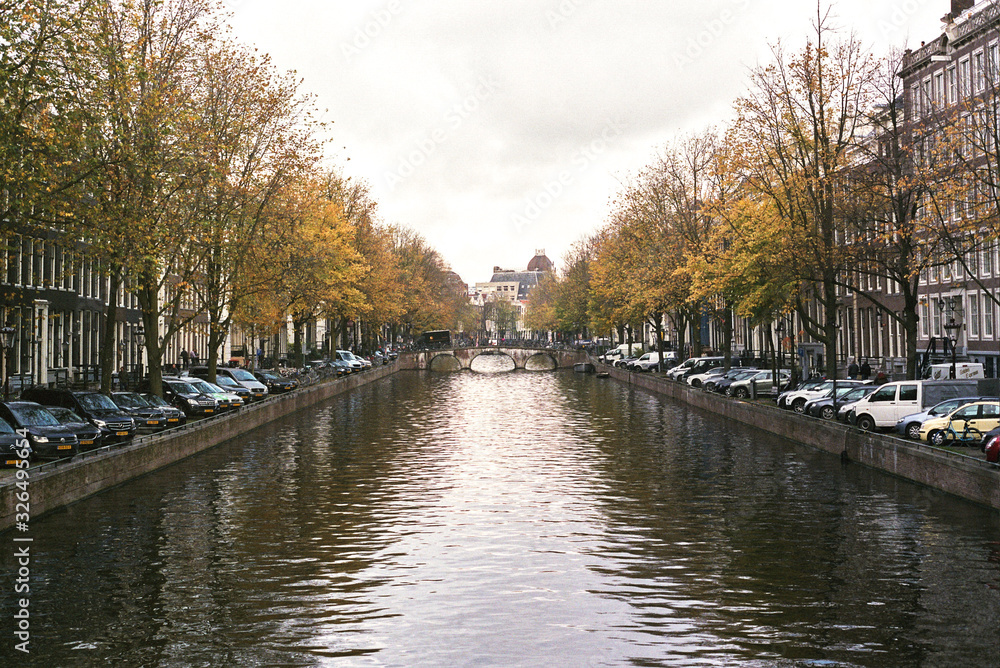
pixel 511 519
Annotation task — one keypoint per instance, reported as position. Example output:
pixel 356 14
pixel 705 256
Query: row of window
pixel 956 82
pixel 979 317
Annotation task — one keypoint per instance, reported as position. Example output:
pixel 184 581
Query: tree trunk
pixel 109 348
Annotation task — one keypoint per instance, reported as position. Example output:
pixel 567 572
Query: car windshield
pixel 129 400
pixel 5 428
pixel 94 401
pixel 34 416
pixel 226 381
pixel 64 415
pixel 181 388
pixel 204 386
pixel 856 393
pixel 155 400
pixel 242 374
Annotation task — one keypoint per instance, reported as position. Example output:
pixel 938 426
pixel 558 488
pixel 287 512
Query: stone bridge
pixel 442 360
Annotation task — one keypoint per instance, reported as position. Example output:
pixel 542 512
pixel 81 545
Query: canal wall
pixel 968 477
pixel 58 484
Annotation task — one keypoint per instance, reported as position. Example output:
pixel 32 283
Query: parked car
pixel 693 365
pixel 256 389
pixel 825 407
pixel 991 445
pixel 763 381
pixel 147 419
pixel 94 406
pixel 175 416
pixel 698 379
pixel 807 384
pixel 48 438
pixel 15 450
pixel 724 384
pixel 230 386
pixel 796 400
pixel 275 383
pixel 90 436
pixel 972 420
pixel 347 356
pixel 344 368
pixel 646 362
pixel 909 425
pixel 227 400
pixel 181 394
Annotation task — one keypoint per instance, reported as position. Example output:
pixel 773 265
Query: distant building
pixel 513 287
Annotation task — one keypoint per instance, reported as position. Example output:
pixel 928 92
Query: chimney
pixel 959 6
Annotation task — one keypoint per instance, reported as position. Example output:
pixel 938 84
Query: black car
pixel 90 436
pixel 14 448
pixel 276 383
pixel 96 407
pixel 147 419
pixel 175 416
pixel 48 438
pixel 194 403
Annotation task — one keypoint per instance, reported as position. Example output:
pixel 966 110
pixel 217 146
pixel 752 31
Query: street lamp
pixel 952 305
pixel 139 335
pixel 6 340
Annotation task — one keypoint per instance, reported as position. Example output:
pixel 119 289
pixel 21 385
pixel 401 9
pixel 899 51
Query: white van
pixel 621 352
pixel 885 406
pixel 962 370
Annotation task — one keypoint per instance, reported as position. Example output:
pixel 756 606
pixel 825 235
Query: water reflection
pixel 514 519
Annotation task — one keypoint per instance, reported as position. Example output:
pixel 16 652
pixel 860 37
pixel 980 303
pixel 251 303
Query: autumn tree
pixel 142 64
pixel 795 131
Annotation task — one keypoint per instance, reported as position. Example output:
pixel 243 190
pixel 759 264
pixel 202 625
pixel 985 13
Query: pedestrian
pixel 866 370
pixel 852 370
pixel 194 358
pixel 184 358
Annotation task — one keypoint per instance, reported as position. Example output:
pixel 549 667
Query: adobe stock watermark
pixel 896 21
pixel 563 12
pixel 709 33
pixel 456 115
pixel 375 24
pixel 581 160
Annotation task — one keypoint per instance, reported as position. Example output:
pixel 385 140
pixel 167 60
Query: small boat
pixel 603 374
pixel 583 367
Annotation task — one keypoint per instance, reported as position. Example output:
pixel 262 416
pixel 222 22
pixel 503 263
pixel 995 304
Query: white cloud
pixel 479 108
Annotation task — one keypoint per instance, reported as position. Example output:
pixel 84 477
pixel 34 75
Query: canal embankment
pixel 968 477
pixel 57 484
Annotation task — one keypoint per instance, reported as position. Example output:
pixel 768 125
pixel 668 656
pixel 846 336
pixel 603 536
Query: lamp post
pixel 139 336
pixel 6 340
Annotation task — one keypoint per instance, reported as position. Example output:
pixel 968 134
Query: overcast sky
pixel 497 128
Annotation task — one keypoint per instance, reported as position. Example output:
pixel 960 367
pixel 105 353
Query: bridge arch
pixel 425 359
pixel 445 362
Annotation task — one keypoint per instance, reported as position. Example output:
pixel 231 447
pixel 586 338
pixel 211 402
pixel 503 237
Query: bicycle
pixel 967 436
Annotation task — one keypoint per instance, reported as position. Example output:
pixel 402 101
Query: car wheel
pixel 913 431
pixel 799 405
pixel 695 383
pixel 827 413
pixel 866 423
pixel 740 393
pixel 936 437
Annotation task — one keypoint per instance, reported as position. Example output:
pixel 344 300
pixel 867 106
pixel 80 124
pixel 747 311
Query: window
pixel 886 393
pixel 936 321
pixel 939 94
pixel 924 319
pixel 990 66
pixel 907 392
pixel 964 82
pixel 978 72
pixel 927 101
pixel 987 264
pixel 987 317
pixel 915 101
pixel 974 315
pixel 951 83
